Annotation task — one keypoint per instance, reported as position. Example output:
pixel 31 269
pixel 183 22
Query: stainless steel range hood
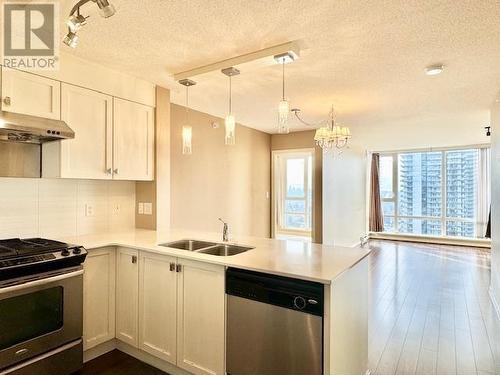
pixel 15 127
pixel 21 139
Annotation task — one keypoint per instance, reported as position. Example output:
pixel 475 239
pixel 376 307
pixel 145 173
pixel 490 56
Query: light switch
pixel 148 208
pixel 140 208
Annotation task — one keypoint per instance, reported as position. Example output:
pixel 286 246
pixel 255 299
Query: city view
pixel 435 192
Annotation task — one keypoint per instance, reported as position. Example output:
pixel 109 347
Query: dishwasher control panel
pixel 294 294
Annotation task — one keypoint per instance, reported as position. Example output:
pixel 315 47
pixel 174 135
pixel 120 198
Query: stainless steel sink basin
pixel 189 245
pixel 225 250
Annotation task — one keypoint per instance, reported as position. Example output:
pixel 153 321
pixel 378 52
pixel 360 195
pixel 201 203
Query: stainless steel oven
pixel 41 323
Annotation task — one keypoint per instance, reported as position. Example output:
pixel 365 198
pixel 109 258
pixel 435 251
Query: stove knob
pixel 77 250
pixel 65 252
pixel 299 302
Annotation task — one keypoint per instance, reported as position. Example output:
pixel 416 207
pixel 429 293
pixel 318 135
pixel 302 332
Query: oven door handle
pixel 40 282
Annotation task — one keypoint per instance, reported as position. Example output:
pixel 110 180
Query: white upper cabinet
pixel 158 305
pixel 201 318
pixel 99 297
pixel 127 295
pixel 89 154
pixel 30 94
pixel 133 146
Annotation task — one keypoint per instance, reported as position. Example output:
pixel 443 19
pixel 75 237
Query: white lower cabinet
pixel 127 295
pixel 171 308
pixel 99 297
pixel 158 305
pixel 200 318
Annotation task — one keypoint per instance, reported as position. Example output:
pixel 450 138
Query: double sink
pixel 204 247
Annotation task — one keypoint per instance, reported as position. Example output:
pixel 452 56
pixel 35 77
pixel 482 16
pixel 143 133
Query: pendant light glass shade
pixel 187 130
pixel 230 125
pixel 283 111
pixel 187 136
pixel 284 106
pixel 230 121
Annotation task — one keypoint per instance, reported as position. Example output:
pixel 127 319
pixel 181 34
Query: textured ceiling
pixel 365 57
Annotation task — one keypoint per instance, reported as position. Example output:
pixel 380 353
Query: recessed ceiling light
pixel 433 70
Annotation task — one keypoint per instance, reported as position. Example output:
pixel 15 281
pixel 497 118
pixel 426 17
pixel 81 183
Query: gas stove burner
pixel 20 257
pixel 31 244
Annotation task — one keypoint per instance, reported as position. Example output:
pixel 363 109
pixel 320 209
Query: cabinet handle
pixel 172 266
pixel 134 259
pixel 115 171
pixel 178 268
pixel 109 171
pixel 6 100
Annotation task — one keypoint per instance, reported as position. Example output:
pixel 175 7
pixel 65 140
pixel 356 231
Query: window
pixel 433 193
pixel 293 187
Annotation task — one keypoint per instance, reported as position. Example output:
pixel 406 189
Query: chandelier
pixel 330 135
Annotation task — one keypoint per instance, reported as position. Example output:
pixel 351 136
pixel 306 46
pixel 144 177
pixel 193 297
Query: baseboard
pixel 482 243
pixel 149 359
pixel 495 303
pixel 97 351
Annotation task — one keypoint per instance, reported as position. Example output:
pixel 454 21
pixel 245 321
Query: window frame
pixel 281 158
pixel 443 218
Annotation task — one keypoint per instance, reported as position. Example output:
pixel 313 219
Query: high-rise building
pixel 420 195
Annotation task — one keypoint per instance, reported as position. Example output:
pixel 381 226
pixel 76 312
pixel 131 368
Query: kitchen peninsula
pixel 131 283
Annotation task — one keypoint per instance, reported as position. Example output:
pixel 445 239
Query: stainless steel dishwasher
pixel 274 325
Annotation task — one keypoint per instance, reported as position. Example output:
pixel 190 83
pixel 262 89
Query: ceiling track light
pixel 76 21
pixel 284 105
pixel 187 129
pixel 230 121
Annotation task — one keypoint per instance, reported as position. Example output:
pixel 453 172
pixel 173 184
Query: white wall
pixel 495 201
pixel 345 176
pixel 56 207
pixel 344 207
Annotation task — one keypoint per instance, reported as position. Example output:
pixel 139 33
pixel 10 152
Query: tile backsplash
pixel 60 207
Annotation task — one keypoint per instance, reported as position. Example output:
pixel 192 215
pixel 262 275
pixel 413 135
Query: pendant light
pixel 230 121
pixel 187 130
pixel 284 105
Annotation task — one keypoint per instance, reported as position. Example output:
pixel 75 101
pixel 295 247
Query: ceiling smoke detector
pixel 434 70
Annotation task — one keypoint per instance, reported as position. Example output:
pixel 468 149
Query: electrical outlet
pixel 140 208
pixel 148 208
pixel 89 210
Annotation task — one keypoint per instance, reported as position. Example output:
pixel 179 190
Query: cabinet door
pixel 89 154
pixel 30 94
pixel 127 295
pixel 200 318
pixel 133 145
pixel 158 305
pixel 99 297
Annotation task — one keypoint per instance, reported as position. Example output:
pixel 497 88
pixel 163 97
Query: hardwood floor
pixel 430 311
pixel 430 314
pixel 118 363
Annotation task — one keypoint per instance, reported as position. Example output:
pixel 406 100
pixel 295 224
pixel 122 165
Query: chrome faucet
pixel 225 231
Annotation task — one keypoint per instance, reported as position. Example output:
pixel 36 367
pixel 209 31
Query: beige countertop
pixel 292 258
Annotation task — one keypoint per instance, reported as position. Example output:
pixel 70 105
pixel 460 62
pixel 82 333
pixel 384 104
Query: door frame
pixel 274 207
